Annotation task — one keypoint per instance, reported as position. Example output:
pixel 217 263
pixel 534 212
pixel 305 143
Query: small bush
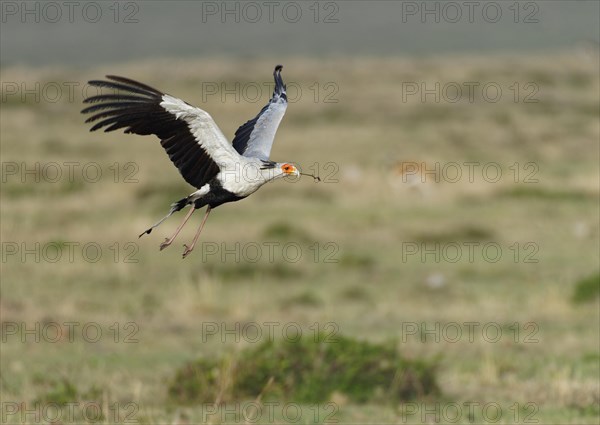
pixel 541 193
pixel 235 271
pixel 357 261
pixel 304 299
pixel 587 289
pixel 463 233
pixel 284 231
pixel 355 293
pixel 60 393
pixel 308 371
pixel 63 392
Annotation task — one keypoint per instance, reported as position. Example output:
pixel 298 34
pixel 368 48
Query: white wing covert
pixel 189 135
pixel 255 138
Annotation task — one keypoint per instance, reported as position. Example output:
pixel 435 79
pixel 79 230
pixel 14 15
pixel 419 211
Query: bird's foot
pixel 165 244
pixel 187 250
pixel 146 232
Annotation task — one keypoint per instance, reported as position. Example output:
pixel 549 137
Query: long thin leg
pixel 158 223
pixel 189 249
pixel 169 241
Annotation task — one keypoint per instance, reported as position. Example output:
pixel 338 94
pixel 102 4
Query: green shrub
pixel 541 193
pixel 285 231
pixel 308 371
pixel 60 393
pixel 306 299
pixel 587 289
pixel 63 392
pixel 355 293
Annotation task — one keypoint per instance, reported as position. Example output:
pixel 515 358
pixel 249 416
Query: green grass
pixel 351 233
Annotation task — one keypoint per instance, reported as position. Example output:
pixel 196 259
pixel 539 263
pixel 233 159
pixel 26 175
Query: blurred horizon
pixel 37 34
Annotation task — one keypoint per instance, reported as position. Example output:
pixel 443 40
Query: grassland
pixel 364 217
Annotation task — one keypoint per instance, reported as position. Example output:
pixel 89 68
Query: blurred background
pixel 445 269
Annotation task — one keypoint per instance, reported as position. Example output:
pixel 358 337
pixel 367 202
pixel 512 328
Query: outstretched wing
pixel 189 135
pixel 255 138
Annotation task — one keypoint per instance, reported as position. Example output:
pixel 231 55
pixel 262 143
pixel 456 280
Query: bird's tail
pixel 175 206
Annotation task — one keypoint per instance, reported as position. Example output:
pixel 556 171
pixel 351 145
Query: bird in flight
pixel 220 171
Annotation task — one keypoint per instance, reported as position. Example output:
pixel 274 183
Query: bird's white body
pixel 239 174
pixel 243 180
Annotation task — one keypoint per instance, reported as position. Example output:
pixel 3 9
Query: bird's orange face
pixel 289 169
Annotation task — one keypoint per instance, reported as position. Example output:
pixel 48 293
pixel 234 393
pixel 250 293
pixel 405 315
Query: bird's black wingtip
pixel 279 84
pixel 115 77
pixel 110 77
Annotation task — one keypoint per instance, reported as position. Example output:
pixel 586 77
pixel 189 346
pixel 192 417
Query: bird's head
pixel 274 170
pixel 288 169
